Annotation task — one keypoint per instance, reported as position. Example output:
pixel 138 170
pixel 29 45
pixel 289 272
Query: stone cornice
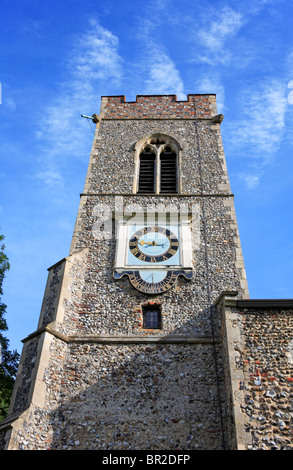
pixel 159 195
pixel 121 339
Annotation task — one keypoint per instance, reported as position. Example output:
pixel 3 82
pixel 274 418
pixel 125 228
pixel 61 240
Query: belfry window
pixel 158 168
pixel 168 174
pixel 146 183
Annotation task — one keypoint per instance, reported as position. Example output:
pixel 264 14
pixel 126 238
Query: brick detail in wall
pixel 158 107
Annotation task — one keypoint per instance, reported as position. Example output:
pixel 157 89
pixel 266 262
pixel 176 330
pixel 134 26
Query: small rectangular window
pixel 151 317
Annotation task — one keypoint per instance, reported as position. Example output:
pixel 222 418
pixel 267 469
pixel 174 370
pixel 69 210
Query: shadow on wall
pixel 135 396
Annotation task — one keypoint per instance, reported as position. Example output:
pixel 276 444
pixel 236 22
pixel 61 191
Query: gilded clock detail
pixel 153 244
pixel 153 258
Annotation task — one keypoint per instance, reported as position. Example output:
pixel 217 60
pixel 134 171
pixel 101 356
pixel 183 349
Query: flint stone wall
pixel 128 397
pixel 112 164
pixel 261 367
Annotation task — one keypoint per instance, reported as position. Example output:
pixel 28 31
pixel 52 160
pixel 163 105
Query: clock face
pixel 151 255
pixel 153 281
pixel 154 244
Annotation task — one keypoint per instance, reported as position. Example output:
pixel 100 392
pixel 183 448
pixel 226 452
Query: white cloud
pixel 94 65
pixel 163 76
pixel 214 35
pixel 228 23
pixel 258 133
pixel 156 69
pixel 6 99
pixel 95 57
pixel 290 95
pixel 50 177
pixel 251 181
pixel 262 124
pixel 10 104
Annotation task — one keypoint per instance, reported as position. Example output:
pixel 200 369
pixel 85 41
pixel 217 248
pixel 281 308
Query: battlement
pixel 159 107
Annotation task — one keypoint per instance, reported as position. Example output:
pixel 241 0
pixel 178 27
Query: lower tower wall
pixel 126 396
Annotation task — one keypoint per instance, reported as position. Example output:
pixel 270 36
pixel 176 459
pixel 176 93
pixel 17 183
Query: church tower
pixel 129 352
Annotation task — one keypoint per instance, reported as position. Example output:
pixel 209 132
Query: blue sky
pixel 59 57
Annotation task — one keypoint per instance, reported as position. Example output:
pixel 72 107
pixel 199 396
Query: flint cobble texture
pixel 268 371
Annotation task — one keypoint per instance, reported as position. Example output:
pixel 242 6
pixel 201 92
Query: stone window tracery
pixel 158 166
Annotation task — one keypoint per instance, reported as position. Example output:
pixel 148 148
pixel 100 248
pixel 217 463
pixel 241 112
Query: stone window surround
pixel 157 150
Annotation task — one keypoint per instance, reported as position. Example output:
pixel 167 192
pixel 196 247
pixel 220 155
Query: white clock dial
pixel 154 245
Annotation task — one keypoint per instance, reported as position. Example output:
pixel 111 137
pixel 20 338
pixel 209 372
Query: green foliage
pixel 8 360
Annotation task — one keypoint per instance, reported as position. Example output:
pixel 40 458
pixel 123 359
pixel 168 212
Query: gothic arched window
pixel 158 168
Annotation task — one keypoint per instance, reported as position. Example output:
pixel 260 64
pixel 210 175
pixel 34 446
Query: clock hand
pixel 152 274
pixel 151 243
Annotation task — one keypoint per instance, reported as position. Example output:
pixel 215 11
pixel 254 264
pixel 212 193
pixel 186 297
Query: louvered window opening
pixel 146 182
pixel 168 176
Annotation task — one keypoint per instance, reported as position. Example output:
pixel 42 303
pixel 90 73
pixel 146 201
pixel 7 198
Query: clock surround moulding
pixel 153 249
